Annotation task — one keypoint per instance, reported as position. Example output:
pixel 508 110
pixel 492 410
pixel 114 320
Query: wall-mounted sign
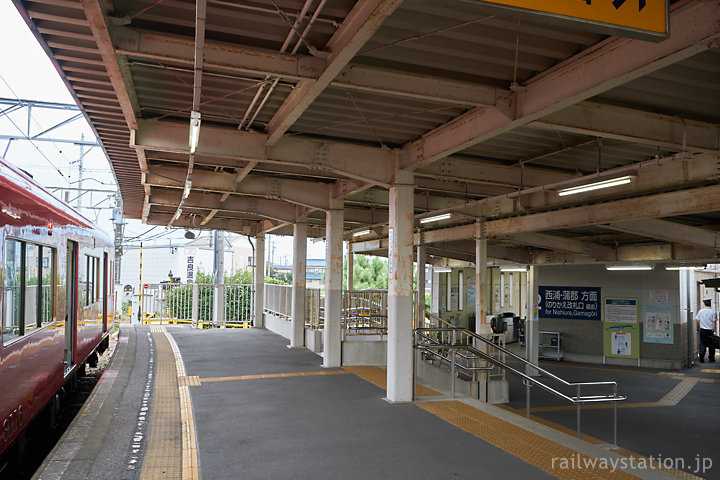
pixel 644 19
pixel 658 323
pixel 621 331
pixel 574 303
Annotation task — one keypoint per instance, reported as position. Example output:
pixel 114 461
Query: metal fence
pixel 364 312
pixel 278 300
pixel 193 303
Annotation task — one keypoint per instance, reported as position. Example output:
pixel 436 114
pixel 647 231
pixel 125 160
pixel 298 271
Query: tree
pixel 368 272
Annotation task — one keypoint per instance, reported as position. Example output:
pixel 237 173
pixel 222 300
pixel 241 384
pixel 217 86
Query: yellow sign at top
pixel 642 18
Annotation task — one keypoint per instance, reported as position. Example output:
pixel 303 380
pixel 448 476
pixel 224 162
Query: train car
pixel 56 284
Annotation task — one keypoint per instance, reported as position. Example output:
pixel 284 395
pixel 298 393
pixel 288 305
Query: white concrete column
pixel 332 332
pixel 219 279
pixel 259 280
pixel 350 267
pixel 420 307
pixel 532 324
pixel 400 308
pixel 482 326
pixel 297 338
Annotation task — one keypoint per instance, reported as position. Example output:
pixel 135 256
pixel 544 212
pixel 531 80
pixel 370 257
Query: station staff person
pixel 706 324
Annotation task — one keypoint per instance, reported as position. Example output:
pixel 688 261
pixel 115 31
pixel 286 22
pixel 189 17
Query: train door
pixel 70 304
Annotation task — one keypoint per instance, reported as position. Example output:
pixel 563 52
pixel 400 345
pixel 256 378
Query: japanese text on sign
pixel 637 18
pixel 580 303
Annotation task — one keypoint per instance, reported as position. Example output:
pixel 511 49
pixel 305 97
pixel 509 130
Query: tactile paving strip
pixel 551 457
pixel 163 459
pixel 269 375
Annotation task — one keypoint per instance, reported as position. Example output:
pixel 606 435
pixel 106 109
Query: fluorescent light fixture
pixel 177 215
pixel 514 268
pixel 613 182
pixel 685 267
pixel 628 267
pixel 436 218
pixel 442 269
pixel 360 233
pixel 186 190
pixel 194 130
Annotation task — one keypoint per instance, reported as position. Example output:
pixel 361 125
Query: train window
pixel 12 282
pixel 47 285
pixel 82 281
pixel 32 295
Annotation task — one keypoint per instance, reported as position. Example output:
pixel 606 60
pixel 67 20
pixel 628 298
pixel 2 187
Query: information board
pixel 621 330
pixel 658 323
pixel 644 19
pixel 574 303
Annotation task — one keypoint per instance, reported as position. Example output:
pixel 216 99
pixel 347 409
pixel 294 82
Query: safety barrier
pixel 448 343
pixel 172 303
pixel 364 312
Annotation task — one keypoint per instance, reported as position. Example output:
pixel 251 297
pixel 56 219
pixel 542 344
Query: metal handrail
pixel 528 380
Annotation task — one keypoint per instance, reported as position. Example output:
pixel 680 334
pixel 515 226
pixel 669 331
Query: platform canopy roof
pixel 302 102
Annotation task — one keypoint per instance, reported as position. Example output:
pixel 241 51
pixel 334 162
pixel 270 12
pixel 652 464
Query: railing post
pixel 527 398
pixel 452 366
pixel 615 415
pixel 195 303
pixel 578 411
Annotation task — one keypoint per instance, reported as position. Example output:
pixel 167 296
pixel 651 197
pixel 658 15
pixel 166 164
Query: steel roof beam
pixel 694 28
pixel 634 126
pixel 669 231
pixel 244 227
pixel 310 194
pixel 554 242
pixel 369 164
pixel 359 26
pixel 96 21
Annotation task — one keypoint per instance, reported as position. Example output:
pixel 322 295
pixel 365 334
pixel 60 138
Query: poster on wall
pixel 621 330
pixel 658 323
pixel 471 293
pixel 574 303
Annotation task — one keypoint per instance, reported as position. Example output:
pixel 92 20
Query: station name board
pixel 643 19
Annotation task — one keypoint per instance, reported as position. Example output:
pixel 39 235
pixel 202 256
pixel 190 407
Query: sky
pixel 27 73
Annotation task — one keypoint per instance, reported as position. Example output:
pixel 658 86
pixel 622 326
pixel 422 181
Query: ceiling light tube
pixel 442 269
pixel 186 190
pixel 628 267
pixel 514 268
pixel 194 130
pixel 613 182
pixel 436 218
pixel 360 233
pixel 685 267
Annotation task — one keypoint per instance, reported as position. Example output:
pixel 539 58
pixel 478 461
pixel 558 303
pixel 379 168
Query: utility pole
pixel 80 173
pixel 118 227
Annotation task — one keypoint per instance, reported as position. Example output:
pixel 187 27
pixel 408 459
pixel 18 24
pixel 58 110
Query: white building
pixel 184 259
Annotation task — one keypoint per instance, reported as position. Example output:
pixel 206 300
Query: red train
pixel 56 284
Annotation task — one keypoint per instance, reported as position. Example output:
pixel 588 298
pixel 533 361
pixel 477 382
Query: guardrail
pixel 193 303
pixel 364 312
pixel 445 342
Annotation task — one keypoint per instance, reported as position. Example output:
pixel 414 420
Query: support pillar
pixel 420 306
pixel 481 282
pixel 400 307
pixel 297 338
pixel 532 324
pixel 259 280
pixel 332 332
pixel 219 279
pixel 350 268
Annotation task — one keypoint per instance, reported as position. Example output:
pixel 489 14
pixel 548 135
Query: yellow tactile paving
pixel 620 451
pixel 271 375
pixel 529 447
pixel 190 465
pixel 710 370
pixel 377 376
pixel 192 381
pixel 163 459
